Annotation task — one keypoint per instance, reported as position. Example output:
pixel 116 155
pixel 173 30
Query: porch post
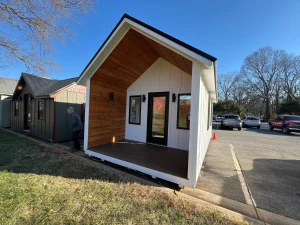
pixel 87 115
pixel 194 124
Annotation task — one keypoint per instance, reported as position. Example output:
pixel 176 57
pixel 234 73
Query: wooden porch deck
pixel 164 159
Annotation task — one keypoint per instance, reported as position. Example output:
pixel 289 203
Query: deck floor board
pixel 164 159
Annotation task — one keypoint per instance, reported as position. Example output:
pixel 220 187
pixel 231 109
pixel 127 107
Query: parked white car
pixel 251 121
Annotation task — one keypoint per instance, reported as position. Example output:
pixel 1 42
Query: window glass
pixel 16 108
pixel 40 110
pixel 292 118
pixel 279 118
pixel 135 110
pixel 208 114
pixel 232 117
pixel 184 108
pixel 252 118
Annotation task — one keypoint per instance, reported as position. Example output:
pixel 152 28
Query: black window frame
pixel 16 108
pixel 129 108
pixel 178 107
pixel 38 109
pixel 208 113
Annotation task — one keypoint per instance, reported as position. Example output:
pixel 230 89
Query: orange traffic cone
pixel 214 137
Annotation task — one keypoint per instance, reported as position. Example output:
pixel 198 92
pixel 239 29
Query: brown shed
pixel 39 106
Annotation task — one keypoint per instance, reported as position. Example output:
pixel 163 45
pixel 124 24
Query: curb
pixel 247 210
pixel 218 208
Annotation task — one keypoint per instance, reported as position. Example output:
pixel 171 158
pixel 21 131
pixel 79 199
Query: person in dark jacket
pixel 76 126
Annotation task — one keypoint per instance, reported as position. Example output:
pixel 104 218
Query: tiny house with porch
pixel 39 106
pixel 149 102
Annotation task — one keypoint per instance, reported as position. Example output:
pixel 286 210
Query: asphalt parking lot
pixel 269 163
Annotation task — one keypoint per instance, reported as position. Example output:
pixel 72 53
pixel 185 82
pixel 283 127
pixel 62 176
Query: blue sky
pixel 229 30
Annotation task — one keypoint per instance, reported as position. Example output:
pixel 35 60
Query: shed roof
pixel 7 86
pixel 43 86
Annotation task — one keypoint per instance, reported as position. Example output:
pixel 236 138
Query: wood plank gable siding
pixel 134 54
pixel 73 96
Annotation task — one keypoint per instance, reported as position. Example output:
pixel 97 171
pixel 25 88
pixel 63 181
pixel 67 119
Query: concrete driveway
pixel 269 164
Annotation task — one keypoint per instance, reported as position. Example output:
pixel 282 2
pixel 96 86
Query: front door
pixel 158 115
pixel 27 112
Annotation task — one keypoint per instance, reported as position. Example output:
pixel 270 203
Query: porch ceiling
pixel 133 55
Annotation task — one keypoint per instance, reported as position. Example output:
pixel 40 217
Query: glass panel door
pixel 158 118
pixel 158 111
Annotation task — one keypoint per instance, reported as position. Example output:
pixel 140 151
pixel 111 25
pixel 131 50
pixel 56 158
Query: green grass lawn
pixel 38 186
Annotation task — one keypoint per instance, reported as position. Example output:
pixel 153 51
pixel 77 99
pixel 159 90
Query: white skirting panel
pixel 177 180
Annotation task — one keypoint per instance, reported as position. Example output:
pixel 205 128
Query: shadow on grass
pixel 20 155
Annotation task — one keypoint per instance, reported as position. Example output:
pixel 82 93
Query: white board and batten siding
pixel 161 76
pixel 201 111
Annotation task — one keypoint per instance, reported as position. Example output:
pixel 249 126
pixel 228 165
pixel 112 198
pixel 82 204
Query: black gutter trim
pixel 183 44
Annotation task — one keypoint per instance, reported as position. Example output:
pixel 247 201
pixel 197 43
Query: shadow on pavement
pixel 277 188
pixel 274 183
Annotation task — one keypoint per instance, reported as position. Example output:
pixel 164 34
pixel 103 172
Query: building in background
pixel 39 106
pixel 7 87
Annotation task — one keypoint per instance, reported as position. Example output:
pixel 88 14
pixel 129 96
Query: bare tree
pixel 261 70
pixel 29 28
pixel 290 76
pixel 226 83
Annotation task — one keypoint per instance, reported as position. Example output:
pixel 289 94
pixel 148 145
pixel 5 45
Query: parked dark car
pixel 231 121
pixel 286 123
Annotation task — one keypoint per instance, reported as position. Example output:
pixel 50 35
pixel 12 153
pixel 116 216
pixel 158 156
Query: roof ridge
pixel 28 74
pixel 69 79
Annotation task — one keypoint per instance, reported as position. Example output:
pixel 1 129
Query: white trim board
pixel 151 172
pixel 87 115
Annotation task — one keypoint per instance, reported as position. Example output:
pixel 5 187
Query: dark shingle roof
pixel 57 86
pixel 7 86
pixel 38 84
pixel 42 86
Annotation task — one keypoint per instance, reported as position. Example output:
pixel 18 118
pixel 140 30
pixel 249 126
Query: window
pixel 287 118
pixel 211 113
pixel 16 110
pixel 232 117
pixel 82 112
pixel 183 113
pixel 135 110
pixel 41 110
pixel 208 113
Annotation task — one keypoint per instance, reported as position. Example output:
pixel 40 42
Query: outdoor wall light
pixel 20 87
pixel 173 97
pixel 111 96
pixel 144 98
